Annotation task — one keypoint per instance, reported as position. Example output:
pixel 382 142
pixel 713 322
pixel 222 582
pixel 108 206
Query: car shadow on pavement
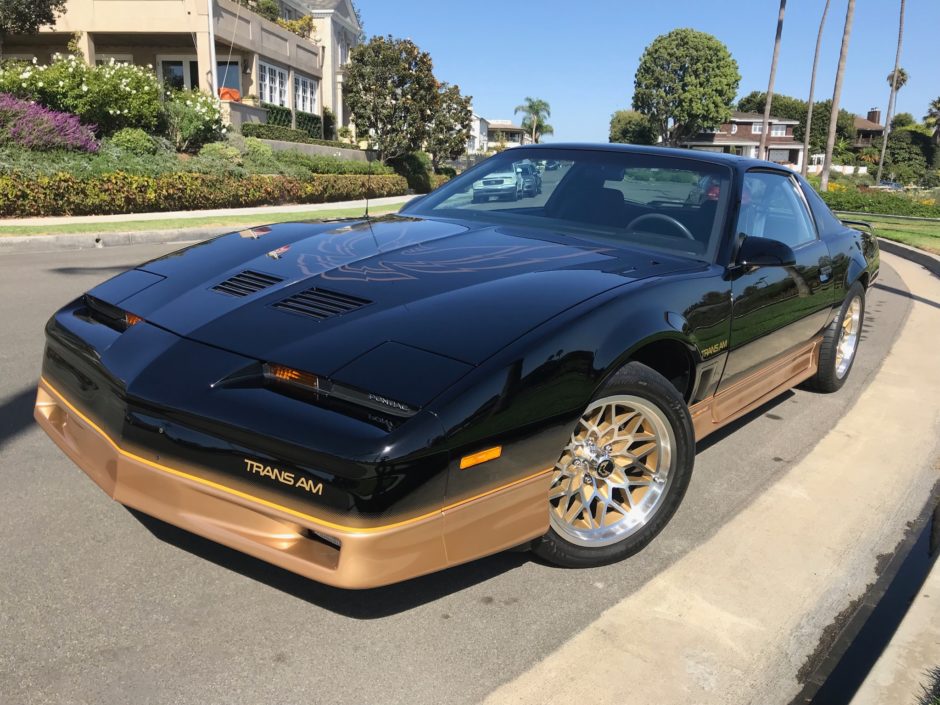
pixel 16 413
pixel 357 604
pixel 725 431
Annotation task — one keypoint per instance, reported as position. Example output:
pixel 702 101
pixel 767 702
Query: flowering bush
pixel 192 119
pixel 112 96
pixel 31 126
pixel 63 194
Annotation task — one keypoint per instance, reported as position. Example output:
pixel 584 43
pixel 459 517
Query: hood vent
pixel 321 303
pixel 246 283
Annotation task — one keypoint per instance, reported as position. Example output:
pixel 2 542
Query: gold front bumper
pixel 347 557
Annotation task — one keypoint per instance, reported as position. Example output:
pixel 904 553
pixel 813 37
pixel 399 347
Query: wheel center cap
pixel 605 468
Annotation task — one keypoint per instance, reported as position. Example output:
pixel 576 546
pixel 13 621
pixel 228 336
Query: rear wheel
pixel 622 474
pixel 840 343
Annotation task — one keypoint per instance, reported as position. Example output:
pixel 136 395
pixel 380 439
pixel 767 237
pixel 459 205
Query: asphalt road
pixel 98 605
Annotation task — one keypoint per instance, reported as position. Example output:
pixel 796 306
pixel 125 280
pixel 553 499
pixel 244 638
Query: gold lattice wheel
pixel 614 473
pixel 848 336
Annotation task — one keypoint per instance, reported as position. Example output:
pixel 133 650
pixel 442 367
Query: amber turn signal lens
pixel 131 320
pixel 292 376
pixel 468 461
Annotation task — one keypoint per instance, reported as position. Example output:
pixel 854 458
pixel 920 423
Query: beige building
pixel 180 40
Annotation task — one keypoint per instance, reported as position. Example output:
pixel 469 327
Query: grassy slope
pixel 235 222
pixel 921 234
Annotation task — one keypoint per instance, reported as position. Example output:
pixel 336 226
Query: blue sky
pixel 581 56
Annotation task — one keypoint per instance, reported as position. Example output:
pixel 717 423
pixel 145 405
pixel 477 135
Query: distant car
pixel 551 165
pixel 891 186
pixel 531 179
pixel 369 400
pixel 505 184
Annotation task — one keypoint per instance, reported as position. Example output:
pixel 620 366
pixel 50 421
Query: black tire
pixel 831 375
pixel 636 382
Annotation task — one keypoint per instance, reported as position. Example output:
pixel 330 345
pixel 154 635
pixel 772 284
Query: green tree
pixel 896 79
pixel 765 130
pixel 902 120
pixel 932 118
pixel 836 96
pixel 631 127
pixel 392 94
pixel 27 16
pixel 905 160
pixel 685 83
pixel 781 106
pixel 808 121
pixel 449 130
pixel 536 113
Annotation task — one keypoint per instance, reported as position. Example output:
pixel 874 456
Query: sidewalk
pixel 220 212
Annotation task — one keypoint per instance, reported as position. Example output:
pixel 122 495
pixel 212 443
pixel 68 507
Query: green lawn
pixel 916 233
pixel 235 222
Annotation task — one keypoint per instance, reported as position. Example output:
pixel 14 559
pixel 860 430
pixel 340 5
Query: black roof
pixel 732 160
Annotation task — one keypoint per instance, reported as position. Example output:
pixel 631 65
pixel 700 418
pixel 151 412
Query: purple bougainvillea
pixel 32 126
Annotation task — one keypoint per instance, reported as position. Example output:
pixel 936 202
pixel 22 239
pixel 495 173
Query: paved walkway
pixel 219 212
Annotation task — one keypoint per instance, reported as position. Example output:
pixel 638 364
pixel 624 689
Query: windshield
pixel 657 201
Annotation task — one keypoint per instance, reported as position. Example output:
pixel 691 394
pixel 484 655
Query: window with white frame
pixel 272 84
pixel 778 130
pixel 305 94
pixel 105 59
pixel 756 128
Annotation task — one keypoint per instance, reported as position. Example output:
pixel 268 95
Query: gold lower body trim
pixel 338 556
pixel 757 388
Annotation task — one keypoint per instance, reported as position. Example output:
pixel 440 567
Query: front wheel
pixel 840 343
pixel 622 474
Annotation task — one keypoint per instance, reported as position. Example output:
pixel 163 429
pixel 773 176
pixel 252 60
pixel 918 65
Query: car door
pixel 776 310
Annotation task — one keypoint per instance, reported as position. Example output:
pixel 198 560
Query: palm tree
pixel 812 89
pixel 836 96
pixel 896 79
pixel 932 118
pixel 536 112
pixel 761 151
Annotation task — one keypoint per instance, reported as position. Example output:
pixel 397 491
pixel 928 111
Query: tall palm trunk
pixel 836 96
pixel 762 150
pixel 812 90
pixel 891 96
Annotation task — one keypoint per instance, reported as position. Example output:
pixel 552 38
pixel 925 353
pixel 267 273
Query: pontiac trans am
pixel 364 401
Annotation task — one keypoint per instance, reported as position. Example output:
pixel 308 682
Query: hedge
pixel 64 194
pixel 286 134
pixel 880 202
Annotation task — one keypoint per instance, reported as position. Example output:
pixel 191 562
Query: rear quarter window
pixel 826 221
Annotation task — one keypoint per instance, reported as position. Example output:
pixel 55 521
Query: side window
pixel 772 207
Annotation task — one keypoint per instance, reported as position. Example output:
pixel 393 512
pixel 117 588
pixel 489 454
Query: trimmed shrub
pixel 193 118
pixel 880 202
pixel 438 180
pixel 135 141
pixel 31 126
pixel 310 124
pixel 63 194
pixel 329 124
pixel 416 168
pixel 286 134
pixel 112 96
pixel 300 164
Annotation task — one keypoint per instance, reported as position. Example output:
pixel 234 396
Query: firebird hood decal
pixel 458 290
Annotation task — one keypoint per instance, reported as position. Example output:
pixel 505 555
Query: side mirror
pixel 765 252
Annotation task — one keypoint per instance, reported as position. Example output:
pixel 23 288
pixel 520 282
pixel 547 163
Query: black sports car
pixel 366 401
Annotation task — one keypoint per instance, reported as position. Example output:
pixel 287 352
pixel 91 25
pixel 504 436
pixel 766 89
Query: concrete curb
pixel 83 241
pixel 928 261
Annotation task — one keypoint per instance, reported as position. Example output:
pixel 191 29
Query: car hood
pixel 366 302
